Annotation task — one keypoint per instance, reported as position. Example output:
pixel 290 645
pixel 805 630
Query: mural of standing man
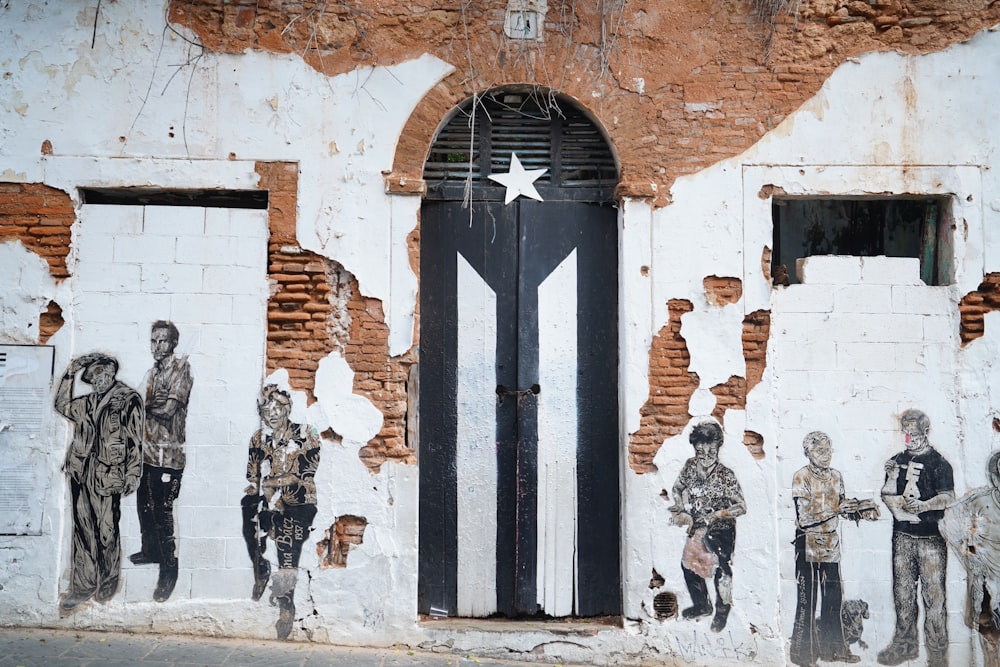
pixel 918 487
pixel 280 500
pixel 707 499
pixel 168 389
pixel 972 529
pixel 104 462
pixel 820 501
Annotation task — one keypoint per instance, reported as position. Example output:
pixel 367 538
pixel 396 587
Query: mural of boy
pixel 818 491
pixel 919 485
pixel 104 462
pixel 280 501
pixel 168 389
pixel 707 500
pixel 972 529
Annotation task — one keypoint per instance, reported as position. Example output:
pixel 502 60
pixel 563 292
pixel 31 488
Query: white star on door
pixel 518 181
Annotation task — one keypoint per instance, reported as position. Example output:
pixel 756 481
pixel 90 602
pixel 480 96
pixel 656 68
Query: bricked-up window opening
pixel 903 226
pixel 248 199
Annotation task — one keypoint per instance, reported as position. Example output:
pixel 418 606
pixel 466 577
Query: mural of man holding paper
pixel 820 501
pixel 919 485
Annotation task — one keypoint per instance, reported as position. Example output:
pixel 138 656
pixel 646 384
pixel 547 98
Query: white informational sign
pixel 25 406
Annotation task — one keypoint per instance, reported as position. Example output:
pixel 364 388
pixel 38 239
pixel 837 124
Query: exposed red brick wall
pixel 316 308
pixel 41 217
pixel 974 306
pixel 346 531
pixel 380 378
pixel 756 331
pixel 676 90
pixel 720 291
pixel 754 443
pixel 730 395
pixel 671 385
pixel 49 322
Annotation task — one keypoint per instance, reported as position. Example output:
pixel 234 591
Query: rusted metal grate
pixel 665 605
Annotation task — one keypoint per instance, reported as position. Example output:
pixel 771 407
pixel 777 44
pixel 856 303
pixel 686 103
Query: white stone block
pixel 863 299
pixel 873 327
pixel 941 329
pixel 172 278
pixel 100 277
pixel 201 521
pixel 910 357
pixel 249 223
pixel 865 356
pixel 218 222
pixel 219 250
pixel 196 309
pixel 829 270
pixel 808 354
pixel 139 580
pixel 922 300
pixel 250 251
pixel 866 415
pixel 129 307
pixel 174 220
pixel 145 248
pixel 110 220
pixel 248 308
pixel 802 299
pixel 796 327
pixel 235 280
pixel 890 270
pixel 92 247
pixel 236 557
pixel 201 552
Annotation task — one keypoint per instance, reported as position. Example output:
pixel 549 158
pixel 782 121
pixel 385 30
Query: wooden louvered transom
pixel 544 130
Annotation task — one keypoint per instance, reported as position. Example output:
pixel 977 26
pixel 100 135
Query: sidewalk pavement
pixel 39 647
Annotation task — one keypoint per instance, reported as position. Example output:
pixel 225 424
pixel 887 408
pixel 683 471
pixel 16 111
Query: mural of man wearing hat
pixel 103 463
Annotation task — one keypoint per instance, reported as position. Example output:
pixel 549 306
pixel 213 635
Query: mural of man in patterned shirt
pixel 707 500
pixel 918 487
pixel 280 501
pixel 168 390
pixel 103 463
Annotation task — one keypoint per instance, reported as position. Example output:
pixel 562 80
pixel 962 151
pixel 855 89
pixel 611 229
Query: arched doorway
pixel 518 454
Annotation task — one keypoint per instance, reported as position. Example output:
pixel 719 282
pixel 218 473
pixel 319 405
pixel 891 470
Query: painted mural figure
pixel 820 501
pixel 104 462
pixel 280 500
pixel 972 529
pixel 918 487
pixel 707 500
pixel 168 389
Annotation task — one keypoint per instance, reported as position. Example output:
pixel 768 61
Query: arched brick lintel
pixel 436 109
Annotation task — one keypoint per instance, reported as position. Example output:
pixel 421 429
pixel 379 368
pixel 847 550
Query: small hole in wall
pixel 347 531
pixel 665 605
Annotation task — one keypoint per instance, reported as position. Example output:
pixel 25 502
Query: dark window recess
pixel 254 199
pixel 904 226
pixel 544 129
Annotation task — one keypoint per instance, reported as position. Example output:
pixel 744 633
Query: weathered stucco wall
pixel 318 292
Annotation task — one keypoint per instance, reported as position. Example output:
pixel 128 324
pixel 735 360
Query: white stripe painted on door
pixel 475 449
pixel 557 439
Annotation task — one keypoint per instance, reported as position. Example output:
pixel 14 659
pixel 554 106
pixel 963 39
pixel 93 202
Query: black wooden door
pixel 519 472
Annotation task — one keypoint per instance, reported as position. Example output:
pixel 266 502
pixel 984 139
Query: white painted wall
pixel 850 348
